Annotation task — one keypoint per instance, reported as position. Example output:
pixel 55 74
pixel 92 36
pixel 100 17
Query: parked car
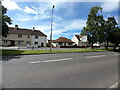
pixel 117 49
pixel 96 45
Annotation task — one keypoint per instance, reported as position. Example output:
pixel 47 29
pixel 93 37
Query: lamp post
pixel 51 28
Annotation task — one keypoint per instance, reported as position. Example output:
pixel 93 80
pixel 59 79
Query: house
pixel 62 41
pixel 24 37
pixel 80 40
pixel 76 39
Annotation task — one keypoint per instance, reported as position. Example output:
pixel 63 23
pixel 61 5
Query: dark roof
pixel 25 31
pixel 78 37
pixel 63 39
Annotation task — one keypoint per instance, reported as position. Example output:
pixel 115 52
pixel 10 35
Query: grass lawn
pixel 16 52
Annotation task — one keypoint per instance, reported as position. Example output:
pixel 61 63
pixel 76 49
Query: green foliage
pixel 94 23
pixel 115 36
pixel 98 29
pixel 5 21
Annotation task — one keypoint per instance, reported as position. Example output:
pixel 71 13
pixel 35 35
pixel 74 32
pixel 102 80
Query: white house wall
pixel 40 39
pixel 74 39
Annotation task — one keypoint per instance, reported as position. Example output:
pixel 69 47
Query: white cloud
pixel 29 10
pixel 77 24
pixel 27 17
pixel 59 29
pixel 10 5
pixel 67 0
pixel 109 6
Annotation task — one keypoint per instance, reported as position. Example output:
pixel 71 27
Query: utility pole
pixel 51 28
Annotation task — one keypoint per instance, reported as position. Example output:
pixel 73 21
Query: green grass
pixel 16 52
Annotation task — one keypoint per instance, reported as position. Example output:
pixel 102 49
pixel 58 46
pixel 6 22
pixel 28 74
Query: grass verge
pixel 16 52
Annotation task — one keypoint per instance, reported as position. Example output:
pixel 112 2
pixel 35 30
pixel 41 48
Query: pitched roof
pixel 63 39
pixel 25 31
pixel 78 37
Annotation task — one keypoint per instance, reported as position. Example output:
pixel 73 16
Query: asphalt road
pixel 66 70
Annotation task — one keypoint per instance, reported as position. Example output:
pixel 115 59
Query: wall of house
pixel 40 40
pixel 62 44
pixel 14 37
pixel 74 39
pixel 83 43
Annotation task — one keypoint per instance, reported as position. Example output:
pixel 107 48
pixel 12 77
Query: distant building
pixel 76 39
pixel 80 40
pixel 62 41
pixel 24 37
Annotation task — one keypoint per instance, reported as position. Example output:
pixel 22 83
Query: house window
pixel 70 43
pixel 28 42
pixel 36 43
pixel 42 44
pixel 60 43
pixel 5 41
pixel 28 36
pixel 19 35
pixel 36 36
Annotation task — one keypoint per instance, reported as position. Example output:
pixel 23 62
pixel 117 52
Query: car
pixel 96 45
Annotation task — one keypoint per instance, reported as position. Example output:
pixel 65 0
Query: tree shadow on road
pixel 8 58
pixel 7 55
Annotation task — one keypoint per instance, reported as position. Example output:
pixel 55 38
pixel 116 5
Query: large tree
pixel 5 21
pixel 115 37
pixel 93 25
pixel 98 29
pixel 110 26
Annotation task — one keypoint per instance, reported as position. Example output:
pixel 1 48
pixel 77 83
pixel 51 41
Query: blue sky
pixel 69 17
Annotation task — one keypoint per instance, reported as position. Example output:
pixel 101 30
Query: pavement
pixel 65 70
pixel 42 48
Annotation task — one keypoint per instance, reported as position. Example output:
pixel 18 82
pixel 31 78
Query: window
pixel 70 43
pixel 5 41
pixel 60 43
pixel 36 43
pixel 28 42
pixel 28 36
pixel 36 36
pixel 19 35
pixel 42 44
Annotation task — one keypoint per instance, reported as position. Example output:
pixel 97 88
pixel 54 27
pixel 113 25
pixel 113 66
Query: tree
pixel 115 37
pixel 93 25
pixel 5 21
pixel 98 29
pixel 109 26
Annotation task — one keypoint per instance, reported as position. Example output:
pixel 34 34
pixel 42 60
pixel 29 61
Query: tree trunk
pixel 114 48
pixel 92 45
pixel 106 46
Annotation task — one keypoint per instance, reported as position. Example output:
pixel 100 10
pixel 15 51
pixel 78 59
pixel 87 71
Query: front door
pixel 12 43
pixel 42 44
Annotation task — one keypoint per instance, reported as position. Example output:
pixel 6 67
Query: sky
pixel 69 17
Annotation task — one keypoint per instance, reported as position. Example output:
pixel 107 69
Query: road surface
pixel 65 70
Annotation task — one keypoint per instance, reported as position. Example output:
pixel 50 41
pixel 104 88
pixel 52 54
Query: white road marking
pixel 116 54
pixel 96 56
pixel 35 62
pixel 114 85
pixel 51 60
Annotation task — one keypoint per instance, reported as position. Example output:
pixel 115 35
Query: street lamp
pixel 51 28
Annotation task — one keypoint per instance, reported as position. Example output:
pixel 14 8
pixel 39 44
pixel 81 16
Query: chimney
pixel 33 28
pixel 16 27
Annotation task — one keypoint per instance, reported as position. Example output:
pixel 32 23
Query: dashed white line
pixel 35 62
pixel 116 54
pixel 51 60
pixel 114 85
pixel 96 56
